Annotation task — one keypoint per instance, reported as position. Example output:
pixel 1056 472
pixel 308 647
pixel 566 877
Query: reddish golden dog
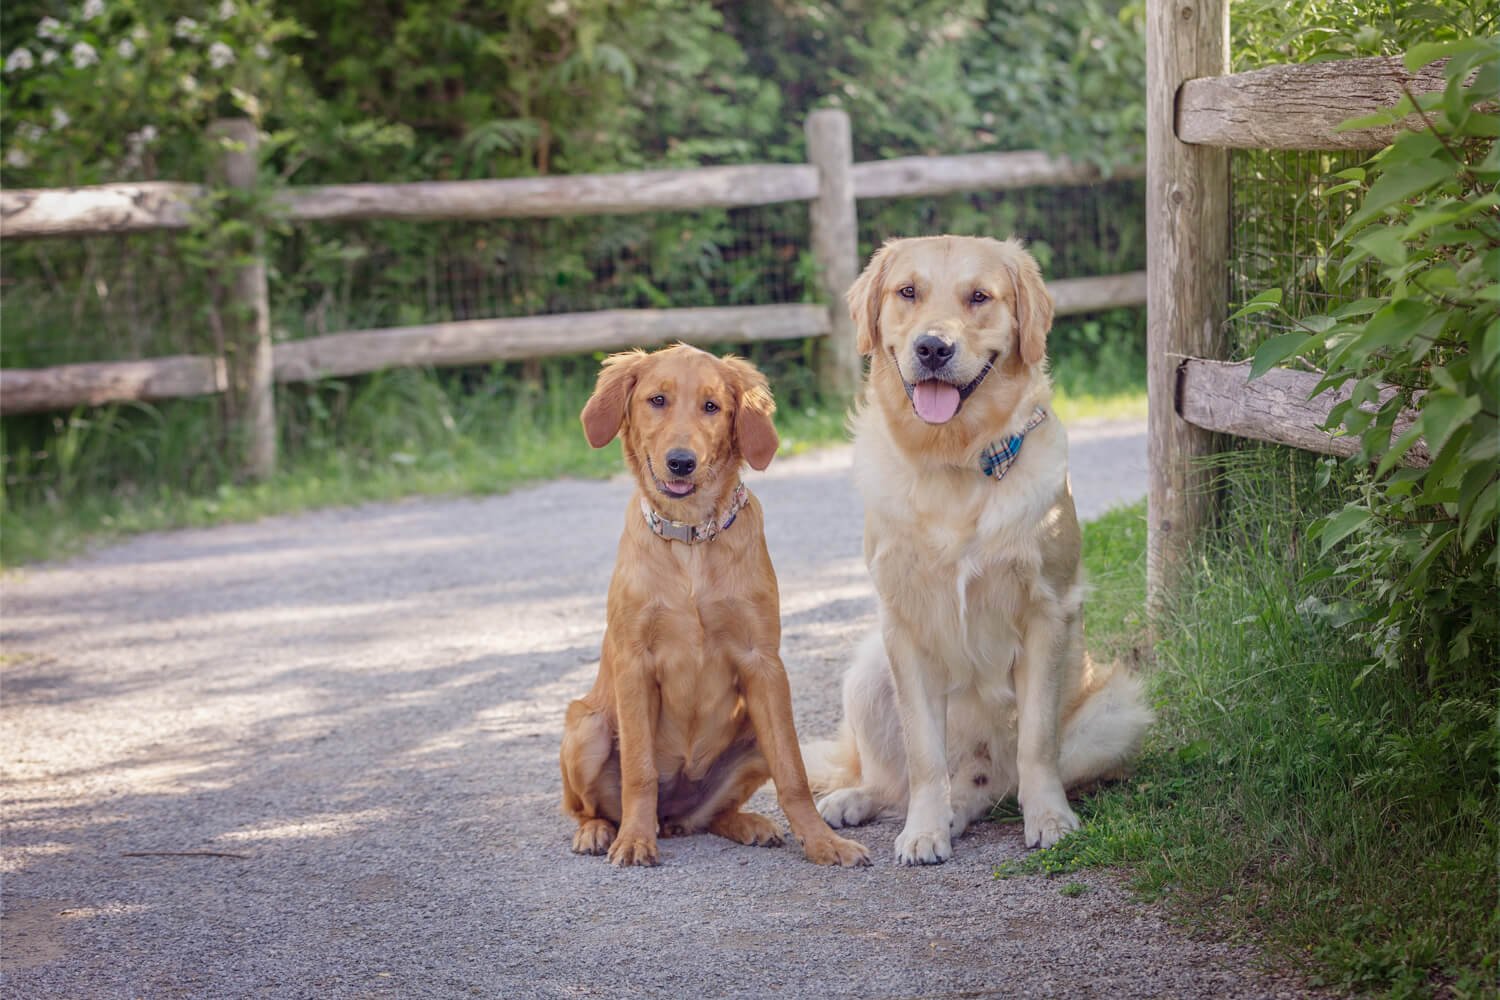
pixel 691 711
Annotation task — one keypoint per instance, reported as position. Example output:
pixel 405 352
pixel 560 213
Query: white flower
pixel 20 60
pixel 226 10
pixel 92 9
pixel 220 55
pixel 185 27
pixel 139 140
pixel 49 56
pixel 262 51
pixel 60 118
pixel 126 48
pixel 30 131
pixel 139 34
pixel 557 8
pixel 147 134
pixel 189 83
pixel 17 157
pixel 49 28
pixel 83 55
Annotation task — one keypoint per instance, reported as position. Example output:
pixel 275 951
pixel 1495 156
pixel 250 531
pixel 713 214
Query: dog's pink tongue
pixel 935 401
pixel 678 487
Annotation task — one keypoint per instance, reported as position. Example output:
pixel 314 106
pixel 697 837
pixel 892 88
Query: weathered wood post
pixel 835 243
pixel 1187 255
pixel 247 339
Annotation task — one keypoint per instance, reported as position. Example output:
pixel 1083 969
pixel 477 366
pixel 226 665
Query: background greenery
pixel 457 89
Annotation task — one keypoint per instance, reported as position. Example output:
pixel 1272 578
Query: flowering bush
pixel 122 86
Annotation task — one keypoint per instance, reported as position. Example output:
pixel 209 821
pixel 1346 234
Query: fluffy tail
pixel 832 763
pixel 1105 731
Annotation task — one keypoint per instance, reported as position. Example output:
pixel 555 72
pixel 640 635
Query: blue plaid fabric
pixel 997 458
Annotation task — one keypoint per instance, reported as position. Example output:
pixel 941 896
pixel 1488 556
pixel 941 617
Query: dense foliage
pixel 1417 546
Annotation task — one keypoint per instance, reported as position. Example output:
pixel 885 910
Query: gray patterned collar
pixel 681 531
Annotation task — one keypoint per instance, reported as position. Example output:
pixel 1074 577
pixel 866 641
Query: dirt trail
pixel 316 756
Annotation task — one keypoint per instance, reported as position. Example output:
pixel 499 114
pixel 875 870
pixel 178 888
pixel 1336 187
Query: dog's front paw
pixel 593 836
pixel 1046 825
pixel 835 850
pixel 633 849
pixel 923 847
pixel 846 807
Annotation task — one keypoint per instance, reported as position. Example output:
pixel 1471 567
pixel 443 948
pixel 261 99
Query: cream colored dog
pixel 977 685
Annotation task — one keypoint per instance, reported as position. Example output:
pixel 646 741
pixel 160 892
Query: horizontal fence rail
pixel 469 342
pixel 1300 106
pixel 1279 407
pixel 130 208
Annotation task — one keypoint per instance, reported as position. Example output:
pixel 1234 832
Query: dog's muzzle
pixel 937 400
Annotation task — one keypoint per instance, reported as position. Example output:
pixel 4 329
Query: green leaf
pixel 1385 245
pixel 1422 53
pixel 1398 323
pixel 1278 349
pixel 1397 183
pixel 1484 515
pixel 1417 577
pixel 1489 347
pixel 1342 525
pixel 1264 302
pixel 1398 449
pixel 1442 413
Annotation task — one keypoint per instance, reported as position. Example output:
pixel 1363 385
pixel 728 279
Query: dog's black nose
pixel 681 462
pixel 933 352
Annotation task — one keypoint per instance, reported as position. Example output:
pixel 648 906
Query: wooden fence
pixel 830 182
pixel 1196 112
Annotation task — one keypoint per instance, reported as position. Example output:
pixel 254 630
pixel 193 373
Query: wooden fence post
pixel 252 401
pixel 1187 256
pixel 835 244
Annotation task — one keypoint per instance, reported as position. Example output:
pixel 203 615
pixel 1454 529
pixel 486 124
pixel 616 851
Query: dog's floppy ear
pixel 864 300
pixel 605 410
pixel 754 431
pixel 1033 303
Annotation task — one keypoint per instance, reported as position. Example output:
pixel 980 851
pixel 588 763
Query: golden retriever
pixel 691 711
pixel 977 684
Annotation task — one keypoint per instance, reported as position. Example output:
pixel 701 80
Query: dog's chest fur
pixel 700 615
pixel 957 557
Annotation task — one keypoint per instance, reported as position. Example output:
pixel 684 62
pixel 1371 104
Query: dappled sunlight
pixel 308 827
pixel 18 858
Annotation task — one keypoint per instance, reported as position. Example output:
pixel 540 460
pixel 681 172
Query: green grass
pixel 1349 827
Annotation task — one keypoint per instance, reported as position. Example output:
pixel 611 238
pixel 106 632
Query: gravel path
pixel 317 756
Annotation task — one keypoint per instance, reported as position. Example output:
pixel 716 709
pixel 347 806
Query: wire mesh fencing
pixel 1074 232
pixel 1283 225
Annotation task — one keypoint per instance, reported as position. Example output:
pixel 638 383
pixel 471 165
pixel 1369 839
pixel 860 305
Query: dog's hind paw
pixel 846 807
pixel 593 836
pixel 928 847
pixel 632 849
pixel 836 850
pixel 750 829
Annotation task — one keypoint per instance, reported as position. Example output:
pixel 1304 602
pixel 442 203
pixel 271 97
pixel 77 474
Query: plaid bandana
pixel 681 531
pixel 997 458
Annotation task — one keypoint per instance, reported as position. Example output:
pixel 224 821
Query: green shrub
pixel 1415 548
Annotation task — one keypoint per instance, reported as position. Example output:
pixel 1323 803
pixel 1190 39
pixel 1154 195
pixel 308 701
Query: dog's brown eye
pixel 908 292
pixel 710 407
pixel 979 296
pixel 658 401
